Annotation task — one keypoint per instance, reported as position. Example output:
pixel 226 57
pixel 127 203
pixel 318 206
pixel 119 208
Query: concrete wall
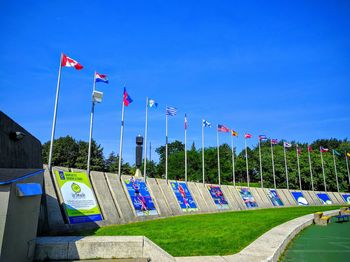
pixel 23 153
pixel 160 199
pixel 202 205
pixel 232 202
pixel 203 190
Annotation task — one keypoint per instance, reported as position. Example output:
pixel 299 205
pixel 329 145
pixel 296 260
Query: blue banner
pixel 218 197
pixel 183 196
pixel 324 198
pixel 274 197
pixel 300 199
pixel 346 198
pixel 248 198
pixel 140 197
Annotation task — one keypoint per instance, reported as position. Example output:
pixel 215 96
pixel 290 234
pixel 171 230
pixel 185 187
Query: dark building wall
pixel 23 153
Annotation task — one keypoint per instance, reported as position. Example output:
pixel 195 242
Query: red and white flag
pixel 247 136
pixel 69 62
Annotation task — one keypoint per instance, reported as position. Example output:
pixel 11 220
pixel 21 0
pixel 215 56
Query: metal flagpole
pixel 55 113
pixel 121 142
pixel 91 124
pixel 312 180
pixel 324 176
pixel 218 150
pixel 297 149
pixel 246 160
pixel 285 165
pixel 185 125
pixel 166 146
pixel 203 172
pixel 347 166
pixel 273 166
pixel 261 176
pixel 233 163
pixel 335 170
pixel 145 147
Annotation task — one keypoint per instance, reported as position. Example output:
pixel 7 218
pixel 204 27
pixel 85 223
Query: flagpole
pixel 233 163
pixel 347 166
pixel 91 124
pixel 203 172
pixel 309 155
pixel 261 176
pixel 55 113
pixel 285 165
pixel 145 147
pixel 121 141
pixel 218 151
pixel 273 166
pixel 166 146
pixel 185 148
pixel 324 176
pixel 246 160
pixel 297 150
pixel 335 170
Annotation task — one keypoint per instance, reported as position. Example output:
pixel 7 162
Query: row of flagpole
pixel 66 61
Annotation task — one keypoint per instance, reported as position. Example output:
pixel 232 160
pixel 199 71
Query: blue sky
pixel 280 68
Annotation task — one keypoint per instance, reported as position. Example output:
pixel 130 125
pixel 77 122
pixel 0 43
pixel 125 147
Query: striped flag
pixel 309 148
pixel 274 141
pixel 323 149
pixel 170 111
pixel 222 128
pixel 101 78
pixel 186 123
pixel 262 137
pixel 234 133
pixel 126 98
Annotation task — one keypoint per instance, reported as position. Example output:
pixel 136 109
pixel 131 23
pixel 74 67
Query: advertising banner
pixel 248 198
pixel 324 198
pixel 183 196
pixel 78 197
pixel 300 199
pixel 218 197
pixel 140 197
pixel 274 197
pixel 346 198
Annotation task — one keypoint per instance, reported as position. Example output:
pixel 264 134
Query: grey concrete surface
pixel 265 199
pixel 315 198
pixel 104 198
pixel 339 198
pixel 230 198
pixel 201 203
pixel 92 247
pixel 169 196
pixel 237 196
pixel 163 207
pixel 308 198
pixel 257 197
pixel 289 197
pixel 203 190
pixel 283 197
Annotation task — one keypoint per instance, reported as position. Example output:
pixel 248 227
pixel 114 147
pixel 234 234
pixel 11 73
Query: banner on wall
pixel 248 198
pixel 346 198
pixel 140 197
pixel 218 197
pixel 79 199
pixel 324 198
pixel 183 196
pixel 274 197
pixel 300 199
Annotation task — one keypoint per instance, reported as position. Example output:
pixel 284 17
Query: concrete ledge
pixel 92 247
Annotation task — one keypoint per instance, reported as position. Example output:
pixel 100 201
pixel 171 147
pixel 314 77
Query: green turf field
pixel 209 234
pixel 317 243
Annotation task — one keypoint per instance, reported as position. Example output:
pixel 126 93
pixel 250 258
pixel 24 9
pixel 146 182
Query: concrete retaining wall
pixel 198 197
pixel 168 195
pixel 159 198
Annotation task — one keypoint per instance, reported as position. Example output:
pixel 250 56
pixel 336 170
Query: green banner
pixel 78 196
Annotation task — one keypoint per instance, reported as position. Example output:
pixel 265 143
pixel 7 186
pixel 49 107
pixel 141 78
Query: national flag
pixel 152 103
pixel 101 78
pixel 234 133
pixel 246 136
pixel 286 144
pixel 274 141
pixel 323 149
pixel 69 62
pixel 299 150
pixel 309 148
pixel 222 128
pixel 126 98
pixel 186 124
pixel 336 152
pixel 262 137
pixel 206 123
pixel 348 154
pixel 170 111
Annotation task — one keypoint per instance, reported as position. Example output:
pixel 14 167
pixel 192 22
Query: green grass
pixel 209 234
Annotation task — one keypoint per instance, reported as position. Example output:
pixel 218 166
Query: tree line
pixel 71 153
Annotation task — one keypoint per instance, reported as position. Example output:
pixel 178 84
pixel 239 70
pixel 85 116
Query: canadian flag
pixel 69 62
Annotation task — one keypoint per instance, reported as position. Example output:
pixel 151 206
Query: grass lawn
pixel 209 234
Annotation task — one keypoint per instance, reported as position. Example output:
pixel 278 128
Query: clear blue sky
pixel 280 68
